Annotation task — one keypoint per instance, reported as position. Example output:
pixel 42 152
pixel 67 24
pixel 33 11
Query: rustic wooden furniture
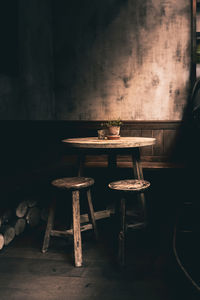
pixel 123 187
pixel 73 184
pixel 166 153
pixel 125 145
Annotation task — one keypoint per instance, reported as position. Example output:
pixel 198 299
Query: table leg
pixel 138 174
pixel 81 161
pixel 112 160
pixel 137 169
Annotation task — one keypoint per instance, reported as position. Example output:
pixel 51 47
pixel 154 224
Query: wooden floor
pixel 26 273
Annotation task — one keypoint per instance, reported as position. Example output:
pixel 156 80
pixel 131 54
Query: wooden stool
pixel 126 186
pixel 73 184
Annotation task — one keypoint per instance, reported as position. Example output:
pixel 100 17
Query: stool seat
pixel 73 183
pixel 129 185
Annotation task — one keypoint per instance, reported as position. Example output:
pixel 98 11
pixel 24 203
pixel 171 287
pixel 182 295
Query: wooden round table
pixel 112 148
pixel 123 142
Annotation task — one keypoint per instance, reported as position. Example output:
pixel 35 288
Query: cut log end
pixel 1 241
pixel 21 209
pixel 33 216
pixel 20 226
pixel 8 233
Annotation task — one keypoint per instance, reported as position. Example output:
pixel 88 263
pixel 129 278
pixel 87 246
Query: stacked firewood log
pixel 14 221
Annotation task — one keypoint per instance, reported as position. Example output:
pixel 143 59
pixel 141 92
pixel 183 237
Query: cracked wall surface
pixel 128 59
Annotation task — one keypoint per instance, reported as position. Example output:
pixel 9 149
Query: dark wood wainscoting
pixel 30 145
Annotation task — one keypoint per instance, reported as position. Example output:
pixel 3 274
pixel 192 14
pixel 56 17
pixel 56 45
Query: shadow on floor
pixel 150 272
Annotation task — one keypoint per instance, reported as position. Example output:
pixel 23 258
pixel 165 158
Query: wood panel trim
pixel 133 124
pixel 147 124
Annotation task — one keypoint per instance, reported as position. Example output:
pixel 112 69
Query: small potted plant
pixel 113 128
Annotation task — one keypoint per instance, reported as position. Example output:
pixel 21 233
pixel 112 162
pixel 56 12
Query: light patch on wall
pixel 132 63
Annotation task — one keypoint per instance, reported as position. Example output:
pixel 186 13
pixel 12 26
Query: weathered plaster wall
pixel 99 59
pixel 126 58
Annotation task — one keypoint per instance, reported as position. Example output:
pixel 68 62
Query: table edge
pixel 111 144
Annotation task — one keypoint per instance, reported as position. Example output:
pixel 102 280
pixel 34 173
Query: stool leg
pixel 138 174
pixel 76 229
pixel 91 213
pixel 122 232
pixel 49 226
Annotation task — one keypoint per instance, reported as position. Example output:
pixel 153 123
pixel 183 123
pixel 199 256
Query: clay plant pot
pixel 114 130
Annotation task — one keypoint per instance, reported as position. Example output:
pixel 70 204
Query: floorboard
pixel 26 273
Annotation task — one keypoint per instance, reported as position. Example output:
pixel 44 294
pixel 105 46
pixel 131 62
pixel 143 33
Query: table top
pixel 123 142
